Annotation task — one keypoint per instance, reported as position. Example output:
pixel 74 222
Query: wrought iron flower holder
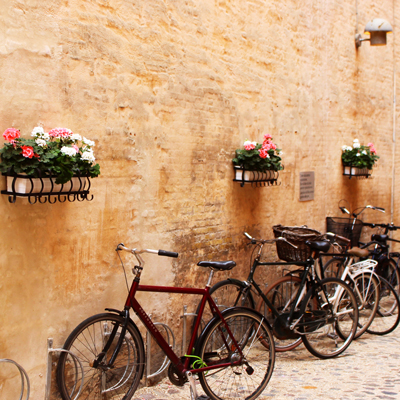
pixel 359 173
pixel 43 189
pixel 255 178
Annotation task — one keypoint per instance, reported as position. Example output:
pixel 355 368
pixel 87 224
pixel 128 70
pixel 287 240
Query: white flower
pixel 356 144
pixel 280 152
pixel 358 154
pixel 37 131
pixel 88 142
pixel 88 156
pixel 75 137
pixel 69 151
pixel 355 140
pixel 364 152
pixel 41 142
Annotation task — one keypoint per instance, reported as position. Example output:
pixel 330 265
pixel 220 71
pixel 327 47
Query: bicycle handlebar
pixel 163 253
pixel 335 236
pixel 254 241
pixel 389 227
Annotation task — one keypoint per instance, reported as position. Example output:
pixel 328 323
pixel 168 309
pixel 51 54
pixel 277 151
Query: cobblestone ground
pixel 369 369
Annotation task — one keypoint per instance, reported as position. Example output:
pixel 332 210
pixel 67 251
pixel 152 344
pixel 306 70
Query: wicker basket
pixel 298 235
pixel 344 227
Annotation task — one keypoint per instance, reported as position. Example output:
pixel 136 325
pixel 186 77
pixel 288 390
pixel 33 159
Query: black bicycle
pixel 301 307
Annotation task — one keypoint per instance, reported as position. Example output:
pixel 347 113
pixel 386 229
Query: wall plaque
pixel 307 186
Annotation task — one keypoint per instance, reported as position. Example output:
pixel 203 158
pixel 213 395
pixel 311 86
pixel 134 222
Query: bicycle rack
pixel 166 361
pixel 49 365
pixel 24 376
pixel 169 332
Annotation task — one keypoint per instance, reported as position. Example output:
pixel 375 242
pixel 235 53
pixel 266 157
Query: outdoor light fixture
pixel 377 28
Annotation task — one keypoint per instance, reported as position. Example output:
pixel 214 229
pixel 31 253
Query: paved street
pixel 369 369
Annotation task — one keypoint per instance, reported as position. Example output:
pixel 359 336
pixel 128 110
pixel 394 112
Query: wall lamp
pixel 377 28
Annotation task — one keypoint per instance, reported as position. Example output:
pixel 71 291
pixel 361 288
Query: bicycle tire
pixel 227 293
pixel 280 293
pixel 366 288
pixel 388 270
pixel 328 333
pixel 86 342
pixel 244 381
pixel 387 317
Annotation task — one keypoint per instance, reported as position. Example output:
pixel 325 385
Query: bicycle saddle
pixel 219 265
pixel 320 245
pixel 379 238
pixel 356 251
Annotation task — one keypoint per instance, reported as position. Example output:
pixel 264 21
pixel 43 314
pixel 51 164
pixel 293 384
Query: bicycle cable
pixel 123 268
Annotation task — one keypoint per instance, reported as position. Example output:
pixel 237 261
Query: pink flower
pixel 11 134
pixel 372 150
pixel 249 145
pixel 76 148
pixel 27 151
pixel 370 145
pixel 267 136
pixel 60 133
pixel 267 144
pixel 263 153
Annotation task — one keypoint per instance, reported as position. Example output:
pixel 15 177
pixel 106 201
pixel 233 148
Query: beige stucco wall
pixel 168 90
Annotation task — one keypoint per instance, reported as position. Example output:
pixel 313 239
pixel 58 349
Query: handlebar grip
pixel 369 224
pixel 342 238
pixel 380 209
pixel 166 253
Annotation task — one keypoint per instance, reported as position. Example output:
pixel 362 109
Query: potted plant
pixel 358 160
pixel 47 162
pixel 257 162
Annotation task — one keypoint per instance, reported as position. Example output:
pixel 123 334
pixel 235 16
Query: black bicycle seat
pixel 379 238
pixel 219 265
pixel 319 245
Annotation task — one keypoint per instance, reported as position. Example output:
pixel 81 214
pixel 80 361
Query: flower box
pixel 349 170
pixel 53 163
pixel 42 188
pixel 256 178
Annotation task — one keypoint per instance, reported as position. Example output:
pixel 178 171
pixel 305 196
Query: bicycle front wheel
pixel 281 293
pixel 250 368
pixel 387 316
pixel 83 371
pixel 330 318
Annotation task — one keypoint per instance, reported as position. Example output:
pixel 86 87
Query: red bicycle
pixel 104 358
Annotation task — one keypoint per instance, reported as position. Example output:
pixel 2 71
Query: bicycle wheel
pixel 388 270
pixel 227 293
pixel 250 375
pixel 366 289
pixel 387 316
pixel 330 318
pixel 281 293
pixel 334 268
pixel 86 342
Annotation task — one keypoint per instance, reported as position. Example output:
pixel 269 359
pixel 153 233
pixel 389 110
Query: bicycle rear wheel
pixel 366 289
pixel 281 293
pixel 226 293
pixel 330 318
pixel 387 317
pixel 106 382
pixel 249 376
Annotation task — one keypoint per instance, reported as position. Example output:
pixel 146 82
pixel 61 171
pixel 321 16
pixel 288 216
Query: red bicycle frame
pixel 137 308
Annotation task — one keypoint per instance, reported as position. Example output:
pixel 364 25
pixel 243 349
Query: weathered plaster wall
pixel 168 90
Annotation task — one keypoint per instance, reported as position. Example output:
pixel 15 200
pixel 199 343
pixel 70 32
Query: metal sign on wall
pixel 307 186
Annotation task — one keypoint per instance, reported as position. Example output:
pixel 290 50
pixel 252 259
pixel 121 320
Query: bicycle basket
pixel 297 235
pixel 344 227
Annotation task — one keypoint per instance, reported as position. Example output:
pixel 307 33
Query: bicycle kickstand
pixel 193 391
